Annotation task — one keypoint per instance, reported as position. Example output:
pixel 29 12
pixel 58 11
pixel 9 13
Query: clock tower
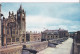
pixel 22 23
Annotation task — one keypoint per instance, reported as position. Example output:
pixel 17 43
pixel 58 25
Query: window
pixel 64 34
pixel 8 31
pixel 13 39
pixel 23 18
pixel 48 36
pixel 56 36
pixel 13 32
pixel 38 38
pixel 43 37
pixel 17 32
pixel 8 39
pixel 17 39
pixel 51 36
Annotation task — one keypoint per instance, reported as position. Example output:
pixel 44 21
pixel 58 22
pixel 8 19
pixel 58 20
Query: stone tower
pixel 22 23
pixel 0 25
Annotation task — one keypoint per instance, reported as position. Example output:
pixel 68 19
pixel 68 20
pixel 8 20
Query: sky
pixel 49 15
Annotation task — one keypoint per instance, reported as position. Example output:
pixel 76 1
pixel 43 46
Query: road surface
pixel 64 48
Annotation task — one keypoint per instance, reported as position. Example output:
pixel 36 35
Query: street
pixel 64 48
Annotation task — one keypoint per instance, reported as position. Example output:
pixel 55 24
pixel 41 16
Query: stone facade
pixel 63 33
pixel 38 46
pixel 33 37
pixel 49 34
pixel 77 36
pixel 11 50
pixel 54 34
pixel 14 28
pixel 17 49
pixel 76 42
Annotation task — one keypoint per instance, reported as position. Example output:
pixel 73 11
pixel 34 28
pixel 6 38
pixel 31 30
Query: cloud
pixel 41 16
pixel 58 10
pixel 40 23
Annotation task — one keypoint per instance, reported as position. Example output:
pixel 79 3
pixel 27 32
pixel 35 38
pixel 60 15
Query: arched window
pixel 13 32
pixel 13 39
pixel 7 31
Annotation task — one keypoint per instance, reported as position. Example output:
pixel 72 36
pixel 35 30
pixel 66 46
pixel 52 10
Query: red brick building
pixel 33 37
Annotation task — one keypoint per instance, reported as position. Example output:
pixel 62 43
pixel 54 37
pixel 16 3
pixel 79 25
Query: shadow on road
pixel 72 49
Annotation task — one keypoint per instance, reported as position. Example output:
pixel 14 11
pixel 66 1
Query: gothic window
pixel 13 39
pixel 17 39
pixel 8 39
pixel 13 32
pixel 7 31
pixel 17 32
pixel 11 24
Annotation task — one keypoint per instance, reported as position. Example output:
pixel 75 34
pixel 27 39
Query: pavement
pixel 64 48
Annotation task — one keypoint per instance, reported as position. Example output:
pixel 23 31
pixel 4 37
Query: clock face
pixel 18 14
pixel 23 15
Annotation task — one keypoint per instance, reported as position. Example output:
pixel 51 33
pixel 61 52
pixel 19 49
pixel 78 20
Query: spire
pixel 3 18
pixel 21 6
pixel 12 13
pixel 9 13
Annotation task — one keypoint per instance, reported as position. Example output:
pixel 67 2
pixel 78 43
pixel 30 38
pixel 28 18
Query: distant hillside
pixel 71 32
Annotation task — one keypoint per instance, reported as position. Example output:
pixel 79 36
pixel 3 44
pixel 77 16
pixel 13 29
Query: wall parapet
pixel 38 46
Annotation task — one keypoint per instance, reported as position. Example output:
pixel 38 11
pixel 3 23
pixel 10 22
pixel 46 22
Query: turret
pixel 9 13
pixel 20 7
pixel 21 17
pixel 21 22
pixel 12 13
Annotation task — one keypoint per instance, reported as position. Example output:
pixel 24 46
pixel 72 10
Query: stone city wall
pixel 11 50
pixel 18 49
pixel 38 46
